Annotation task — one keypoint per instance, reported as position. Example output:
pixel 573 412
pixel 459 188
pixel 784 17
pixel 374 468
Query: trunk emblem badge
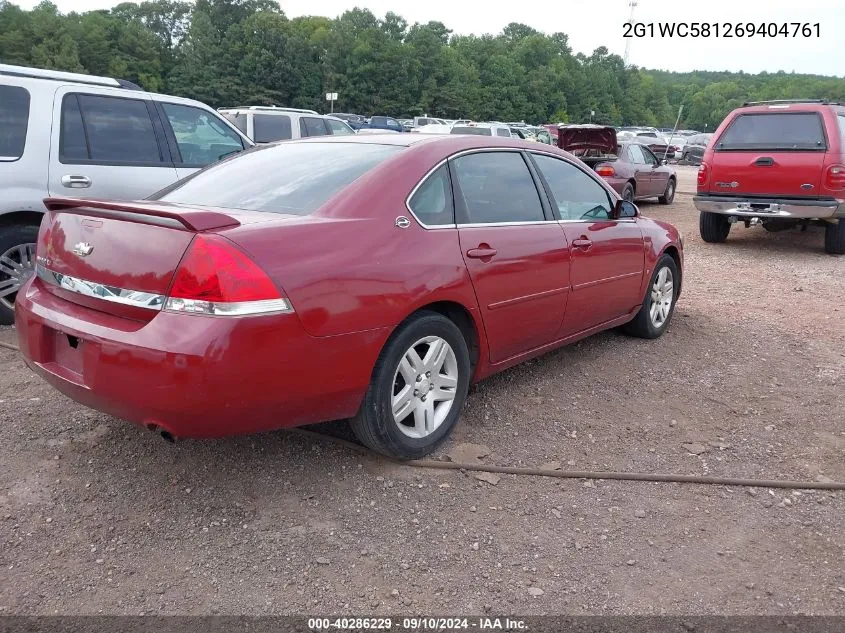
pixel 806 185
pixel 402 222
pixel 83 249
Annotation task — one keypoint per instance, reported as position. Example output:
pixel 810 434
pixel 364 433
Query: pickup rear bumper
pixel 771 207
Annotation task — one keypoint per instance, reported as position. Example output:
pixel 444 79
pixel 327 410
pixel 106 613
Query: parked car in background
pixel 433 128
pixel 421 121
pixel 483 129
pixel 693 150
pixel 68 134
pixel 355 121
pixel 777 163
pixel 543 136
pixel 384 123
pixel 407 124
pixel 630 168
pixel 658 145
pixel 268 124
pixel 436 243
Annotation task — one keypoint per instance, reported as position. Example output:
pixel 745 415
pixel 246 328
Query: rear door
pixel 608 256
pixel 773 153
pixel 514 250
pixel 107 146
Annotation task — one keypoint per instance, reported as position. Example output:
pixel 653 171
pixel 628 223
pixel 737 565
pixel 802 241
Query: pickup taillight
pixel 834 177
pixel 703 176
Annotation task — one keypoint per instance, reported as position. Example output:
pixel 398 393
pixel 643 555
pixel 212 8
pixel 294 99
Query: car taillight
pixel 605 171
pixel 216 278
pixel 703 175
pixel 834 177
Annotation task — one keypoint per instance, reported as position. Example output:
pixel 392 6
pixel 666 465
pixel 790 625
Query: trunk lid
pixel 587 139
pixel 770 154
pixel 120 257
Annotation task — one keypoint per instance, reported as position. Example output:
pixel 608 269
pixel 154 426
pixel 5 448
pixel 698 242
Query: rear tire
pixel 714 228
pixel 17 250
pixel 399 376
pixel 659 303
pixel 668 195
pixel 628 192
pixel 834 238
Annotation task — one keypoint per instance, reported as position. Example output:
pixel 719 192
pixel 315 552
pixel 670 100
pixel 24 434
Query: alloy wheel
pixel 662 295
pixel 17 265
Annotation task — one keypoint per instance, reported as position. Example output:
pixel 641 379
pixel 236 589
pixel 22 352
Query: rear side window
pixel 14 118
pixel 497 187
pixel 432 202
pixel 271 127
pixel 237 119
pixel 109 130
pixel 503 132
pixel 309 126
pixel 313 173
pixel 635 153
pixel 378 120
pixel 774 131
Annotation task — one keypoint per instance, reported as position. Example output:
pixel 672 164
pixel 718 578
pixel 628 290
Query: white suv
pixel 67 134
pixel 267 124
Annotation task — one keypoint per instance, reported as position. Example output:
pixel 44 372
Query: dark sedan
pixel 694 149
pixel 638 173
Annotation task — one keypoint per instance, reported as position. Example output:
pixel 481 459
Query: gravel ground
pixel 98 516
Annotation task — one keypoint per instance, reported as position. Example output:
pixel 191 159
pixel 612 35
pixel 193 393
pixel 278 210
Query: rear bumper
pixel 192 375
pixel 770 207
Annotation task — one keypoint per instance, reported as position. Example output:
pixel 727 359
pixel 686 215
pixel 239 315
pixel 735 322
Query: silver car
pixel 67 134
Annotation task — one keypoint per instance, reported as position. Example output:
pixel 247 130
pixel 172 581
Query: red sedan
pixel 368 278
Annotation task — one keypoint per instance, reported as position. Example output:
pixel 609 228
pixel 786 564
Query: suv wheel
pixel 417 389
pixel 714 228
pixel 834 238
pixel 17 265
pixel 668 195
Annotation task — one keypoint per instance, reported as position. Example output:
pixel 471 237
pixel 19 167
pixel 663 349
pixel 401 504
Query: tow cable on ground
pixel 568 474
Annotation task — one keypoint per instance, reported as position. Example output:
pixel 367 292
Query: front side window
pixel 288 178
pixel 201 137
pixel 635 153
pixel 310 126
pixel 110 130
pixel 14 119
pixel 577 195
pixel 432 202
pixel 774 131
pixel 339 128
pixel 271 127
pixel 497 187
pixel 650 158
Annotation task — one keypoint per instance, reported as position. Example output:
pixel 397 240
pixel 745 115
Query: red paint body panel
pixel 351 276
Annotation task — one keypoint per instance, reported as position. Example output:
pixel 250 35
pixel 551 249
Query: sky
pixel 594 23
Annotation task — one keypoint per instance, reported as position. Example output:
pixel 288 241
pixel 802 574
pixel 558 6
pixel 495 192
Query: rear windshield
pixel 290 178
pixel 271 127
pixel 774 131
pixel 14 115
pixel 478 131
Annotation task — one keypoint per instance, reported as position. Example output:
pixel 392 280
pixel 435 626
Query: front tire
pixel 834 238
pixel 659 303
pixel 17 265
pixel 713 227
pixel 417 390
pixel 668 195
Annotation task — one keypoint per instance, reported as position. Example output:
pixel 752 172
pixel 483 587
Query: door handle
pixel 764 161
pixel 481 252
pixel 582 242
pixel 76 182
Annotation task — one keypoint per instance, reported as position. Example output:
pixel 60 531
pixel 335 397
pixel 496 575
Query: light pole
pixel 631 4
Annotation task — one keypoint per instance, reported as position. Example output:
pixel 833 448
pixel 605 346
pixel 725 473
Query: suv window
pixel 497 187
pixel 310 126
pixel 271 127
pixel 840 118
pixel 774 131
pixel 338 128
pixel 14 118
pixel 378 120
pixel 432 202
pixel 238 119
pixel 577 195
pixel 111 130
pixel 312 174
pixel 635 152
pixel 503 132
pixel 202 138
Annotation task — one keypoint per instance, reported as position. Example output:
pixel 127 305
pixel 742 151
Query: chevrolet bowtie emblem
pixel 83 249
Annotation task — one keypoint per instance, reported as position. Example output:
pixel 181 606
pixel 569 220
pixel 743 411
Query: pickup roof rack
pixel 59 75
pixel 785 101
pixel 270 109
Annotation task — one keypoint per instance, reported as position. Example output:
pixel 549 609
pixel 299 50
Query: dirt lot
pixel 97 515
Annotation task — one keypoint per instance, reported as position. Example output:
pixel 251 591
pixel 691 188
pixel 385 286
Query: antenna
pixel 632 4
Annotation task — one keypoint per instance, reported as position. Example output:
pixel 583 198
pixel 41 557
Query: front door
pixel 107 146
pixel 517 257
pixel 642 170
pixel 659 177
pixel 608 255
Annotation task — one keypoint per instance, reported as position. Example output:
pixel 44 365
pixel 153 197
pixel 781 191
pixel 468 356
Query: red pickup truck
pixel 777 163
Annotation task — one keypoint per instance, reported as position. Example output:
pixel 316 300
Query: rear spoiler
pixel 143 212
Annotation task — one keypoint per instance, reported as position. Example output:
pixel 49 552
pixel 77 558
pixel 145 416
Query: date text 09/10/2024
pixel 721 29
pixel 417 624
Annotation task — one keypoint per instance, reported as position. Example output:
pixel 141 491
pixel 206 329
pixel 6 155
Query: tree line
pixel 247 52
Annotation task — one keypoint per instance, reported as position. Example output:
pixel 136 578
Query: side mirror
pixel 664 162
pixel 625 209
